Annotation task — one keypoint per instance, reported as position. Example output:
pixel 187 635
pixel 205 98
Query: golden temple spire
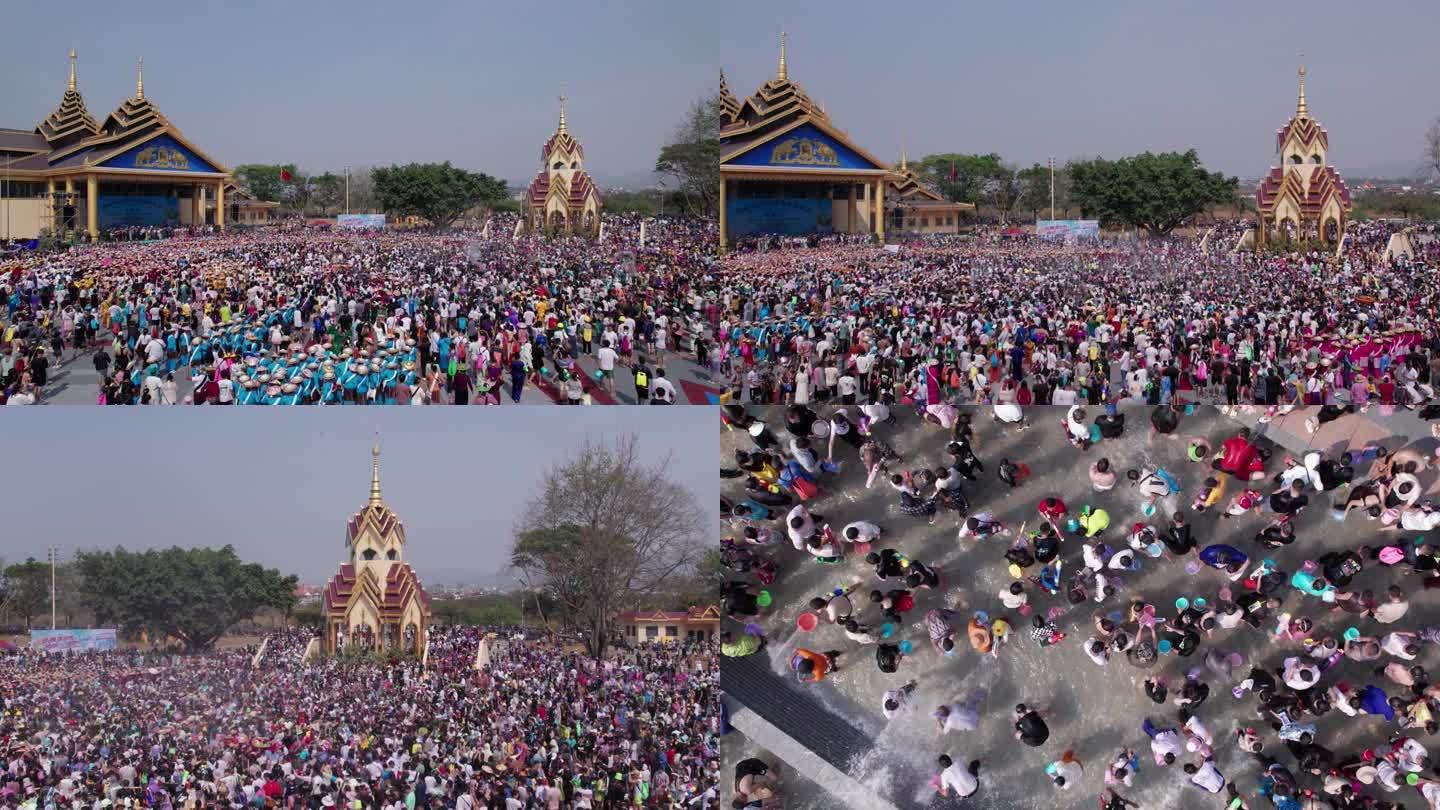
pixel 140 79
pixel 375 474
pixel 72 68
pixel 784 74
pixel 562 113
pixel 1300 109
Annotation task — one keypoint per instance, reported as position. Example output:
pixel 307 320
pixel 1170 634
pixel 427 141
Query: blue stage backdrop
pixel 791 217
pixel 122 210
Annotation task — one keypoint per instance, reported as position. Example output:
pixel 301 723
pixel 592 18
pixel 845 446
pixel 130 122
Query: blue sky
pixel 280 484
pixel 324 83
pixel 1029 80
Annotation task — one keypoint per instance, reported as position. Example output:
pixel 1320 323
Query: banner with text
pixel 1068 228
pixel 361 222
pixel 66 641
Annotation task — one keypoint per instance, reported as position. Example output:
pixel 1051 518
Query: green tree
pixel 327 191
pixel 604 531
pixel 27 589
pixel 692 158
pixel 1153 192
pixel 1003 189
pixel 438 192
pixel 194 594
pixel 262 180
pixel 970 174
pixel 631 202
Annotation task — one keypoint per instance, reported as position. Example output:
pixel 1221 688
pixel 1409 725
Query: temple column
pixel 220 205
pixel 850 212
pixel 880 210
pixel 50 185
pixel 92 192
pixel 723 183
pixel 197 211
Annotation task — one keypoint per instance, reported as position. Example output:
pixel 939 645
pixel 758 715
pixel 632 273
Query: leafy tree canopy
pixel 193 594
pixel 692 158
pixel 1153 192
pixel 438 192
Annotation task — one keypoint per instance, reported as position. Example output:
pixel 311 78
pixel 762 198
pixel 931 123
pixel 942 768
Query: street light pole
pixel 54 552
pixel 1052 187
pixel 347 188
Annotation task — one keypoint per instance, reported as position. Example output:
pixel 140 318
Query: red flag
pixel 286 176
pixel 953 175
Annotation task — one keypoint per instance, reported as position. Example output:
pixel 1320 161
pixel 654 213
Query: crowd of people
pixel 1326 626
pixel 309 316
pixel 540 727
pixel 1001 318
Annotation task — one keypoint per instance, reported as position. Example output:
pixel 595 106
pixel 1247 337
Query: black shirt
pixel 1032 728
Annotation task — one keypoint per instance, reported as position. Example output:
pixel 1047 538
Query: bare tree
pixel 604 530
pixel 1432 149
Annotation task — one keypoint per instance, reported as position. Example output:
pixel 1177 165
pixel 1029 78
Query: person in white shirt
pixel 606 358
pixel 1205 776
pixel 1165 743
pixel 963 780
pixel 959 716
pixel 662 391
pixel 896 701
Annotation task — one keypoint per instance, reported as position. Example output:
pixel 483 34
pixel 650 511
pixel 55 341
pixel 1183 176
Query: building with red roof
pixel 376 600
pixel 1304 197
pixel 562 198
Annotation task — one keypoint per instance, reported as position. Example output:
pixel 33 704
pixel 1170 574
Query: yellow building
pixel 74 174
pixel 562 198
pixel 1304 198
pixel 693 624
pixel 376 600
pixel 913 207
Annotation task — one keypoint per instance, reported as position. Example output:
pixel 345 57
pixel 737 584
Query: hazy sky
pixel 1029 80
pixel 280 486
pixel 323 83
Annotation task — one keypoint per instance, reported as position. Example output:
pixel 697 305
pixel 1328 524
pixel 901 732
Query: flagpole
pixel 347 188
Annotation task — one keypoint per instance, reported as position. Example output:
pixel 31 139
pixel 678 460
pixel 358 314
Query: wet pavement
pixel 1096 709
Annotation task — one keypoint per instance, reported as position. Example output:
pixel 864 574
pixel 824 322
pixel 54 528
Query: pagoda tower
pixel 562 198
pixel 376 600
pixel 1304 197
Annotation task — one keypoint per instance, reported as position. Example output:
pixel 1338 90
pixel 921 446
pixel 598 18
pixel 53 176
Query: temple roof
pixel 777 102
pixel 778 106
pixel 905 186
pixel 1323 184
pixel 374 514
pixel 401 586
pixel 71 121
pixel 729 104
pixel 562 139
pixel 1306 129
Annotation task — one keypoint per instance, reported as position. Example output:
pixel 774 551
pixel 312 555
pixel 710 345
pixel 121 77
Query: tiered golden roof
pixel 729 104
pixel 71 120
pixel 777 100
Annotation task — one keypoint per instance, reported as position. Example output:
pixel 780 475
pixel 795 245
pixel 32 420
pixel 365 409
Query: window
pixel 924 222
pixel 671 631
pixel 629 629
pixel 1295 159
pixel 575 165
pixel 1315 159
pixel 391 555
pixel 369 554
pixel 558 165
pixel 949 219
pixel 652 632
